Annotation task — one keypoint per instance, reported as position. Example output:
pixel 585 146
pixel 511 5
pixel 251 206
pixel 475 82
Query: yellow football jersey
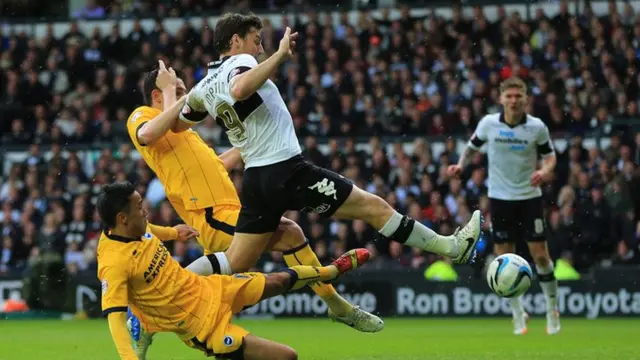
pixel 142 273
pixel 193 175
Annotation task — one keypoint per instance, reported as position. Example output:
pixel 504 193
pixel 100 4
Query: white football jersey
pixel 261 126
pixel 513 154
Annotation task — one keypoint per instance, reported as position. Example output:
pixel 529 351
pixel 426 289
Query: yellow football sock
pixel 307 275
pixel 305 256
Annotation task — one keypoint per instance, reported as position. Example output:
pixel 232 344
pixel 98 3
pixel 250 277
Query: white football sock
pixel 225 267
pixel 549 285
pixel 201 266
pixel 420 237
pixel 516 306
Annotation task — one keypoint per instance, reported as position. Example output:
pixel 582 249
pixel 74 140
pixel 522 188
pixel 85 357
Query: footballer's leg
pixel 505 231
pixel 299 276
pixel 379 214
pixel 548 282
pixel 535 234
pixel 290 240
pixel 257 348
pixel 329 194
pixel 229 341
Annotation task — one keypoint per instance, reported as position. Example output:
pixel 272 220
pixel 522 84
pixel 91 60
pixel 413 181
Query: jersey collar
pixel 107 233
pixel 523 121
pixel 217 64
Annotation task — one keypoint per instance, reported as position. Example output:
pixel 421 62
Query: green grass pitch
pixel 406 339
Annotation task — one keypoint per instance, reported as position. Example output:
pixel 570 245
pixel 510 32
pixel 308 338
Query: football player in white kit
pixel 514 140
pixel 238 93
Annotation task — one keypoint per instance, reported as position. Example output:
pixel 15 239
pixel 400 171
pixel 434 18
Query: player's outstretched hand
pixel 166 77
pixel 186 233
pixel 288 43
pixel 454 170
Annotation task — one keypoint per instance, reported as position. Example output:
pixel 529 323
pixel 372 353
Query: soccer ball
pixel 509 275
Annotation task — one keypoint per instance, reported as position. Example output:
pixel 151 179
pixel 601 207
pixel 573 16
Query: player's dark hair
pixel 113 199
pixel 149 85
pixel 231 24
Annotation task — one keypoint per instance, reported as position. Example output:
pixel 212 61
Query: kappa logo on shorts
pixel 228 341
pixel 105 286
pixel 325 187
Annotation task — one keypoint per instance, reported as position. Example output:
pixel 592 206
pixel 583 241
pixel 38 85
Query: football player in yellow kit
pixel 136 270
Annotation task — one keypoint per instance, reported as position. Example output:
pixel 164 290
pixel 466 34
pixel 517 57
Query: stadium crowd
pixel 378 79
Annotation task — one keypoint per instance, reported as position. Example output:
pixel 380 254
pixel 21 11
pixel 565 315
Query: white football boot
pixel 520 323
pixel 359 320
pixel 141 339
pixel 467 238
pixel 553 322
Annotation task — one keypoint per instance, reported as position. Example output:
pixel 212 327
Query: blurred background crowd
pixel 391 81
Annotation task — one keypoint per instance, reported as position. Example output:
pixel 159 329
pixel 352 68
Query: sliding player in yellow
pixel 136 269
pixel 199 188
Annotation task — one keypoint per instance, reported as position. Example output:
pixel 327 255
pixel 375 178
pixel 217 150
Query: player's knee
pixel 286 353
pixel 289 354
pixel 539 253
pixel 293 236
pixel 542 260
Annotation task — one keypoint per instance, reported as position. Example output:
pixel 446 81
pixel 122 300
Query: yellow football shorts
pixel 219 337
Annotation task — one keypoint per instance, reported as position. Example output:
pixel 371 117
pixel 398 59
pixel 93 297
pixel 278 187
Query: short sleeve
pixel 241 64
pixel 481 134
pixel 544 143
pixel 115 295
pixel 137 118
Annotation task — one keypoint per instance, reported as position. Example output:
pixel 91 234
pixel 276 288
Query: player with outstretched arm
pixel 199 188
pixel 514 140
pixel 137 270
pixel 238 93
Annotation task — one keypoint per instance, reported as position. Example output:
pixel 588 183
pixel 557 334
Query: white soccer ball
pixel 509 275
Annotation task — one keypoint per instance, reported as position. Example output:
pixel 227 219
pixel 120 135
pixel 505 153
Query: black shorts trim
pixel 202 346
pixel 110 310
pixel 517 220
pixel 217 224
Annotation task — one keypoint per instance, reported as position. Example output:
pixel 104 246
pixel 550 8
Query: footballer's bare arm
pixel 246 84
pixel 151 131
pixel 231 158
